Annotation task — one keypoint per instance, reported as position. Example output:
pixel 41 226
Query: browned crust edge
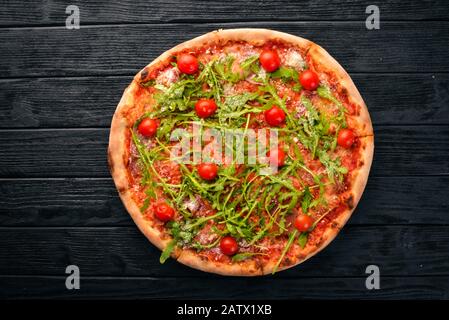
pixel 117 152
pixel 328 63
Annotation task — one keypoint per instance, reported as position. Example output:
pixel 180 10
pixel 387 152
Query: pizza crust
pixel 117 158
pixel 118 154
pixel 323 61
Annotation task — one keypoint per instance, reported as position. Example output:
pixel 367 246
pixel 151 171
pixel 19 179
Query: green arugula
pixel 248 206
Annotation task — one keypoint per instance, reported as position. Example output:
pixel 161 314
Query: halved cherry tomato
pixel 147 127
pixel 164 212
pixel 276 156
pixel 207 171
pixel 229 246
pixel 187 63
pixel 269 59
pixel 346 138
pixel 205 108
pixel 309 80
pixel 303 222
pixel 274 116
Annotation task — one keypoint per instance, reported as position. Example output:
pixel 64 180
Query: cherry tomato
pixel 309 80
pixel 187 63
pixel 274 116
pixel 303 222
pixel 164 212
pixel 276 156
pixel 228 246
pixel 346 138
pixel 147 127
pixel 205 108
pixel 269 59
pixel 207 171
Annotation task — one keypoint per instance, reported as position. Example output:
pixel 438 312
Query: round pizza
pixel 241 152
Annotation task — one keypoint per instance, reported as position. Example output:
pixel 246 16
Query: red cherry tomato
pixel 187 63
pixel 229 246
pixel 346 138
pixel 147 127
pixel 207 171
pixel 269 59
pixel 309 80
pixel 276 156
pixel 303 222
pixel 164 212
pixel 205 108
pixel 274 116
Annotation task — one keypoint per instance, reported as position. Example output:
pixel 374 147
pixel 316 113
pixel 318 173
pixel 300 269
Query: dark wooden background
pixel 59 89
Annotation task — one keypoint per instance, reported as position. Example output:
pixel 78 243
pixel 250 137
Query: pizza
pixel 241 152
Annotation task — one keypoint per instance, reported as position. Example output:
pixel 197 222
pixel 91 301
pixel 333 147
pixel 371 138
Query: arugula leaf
pixel 251 64
pixel 288 245
pixel 302 239
pixel 167 251
pixel 245 255
pixel 325 92
pixel 148 83
pixel 297 87
pixel 223 68
pixel 333 166
pixel 306 200
pixel 177 97
pixel 236 102
pixel 286 74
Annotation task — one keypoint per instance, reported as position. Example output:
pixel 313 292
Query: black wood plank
pixel 94 202
pixel 90 102
pixel 411 150
pixel 400 150
pixel 60 102
pixel 122 50
pixel 41 287
pixel 60 153
pixel 61 202
pixel 124 251
pixel 130 11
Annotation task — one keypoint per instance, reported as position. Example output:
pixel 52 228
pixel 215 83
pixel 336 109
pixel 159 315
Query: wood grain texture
pixel 124 251
pixel 38 287
pixel 90 101
pixel 400 150
pixel 95 202
pixel 61 202
pixel 60 102
pixel 123 50
pixel 58 204
pixel 129 11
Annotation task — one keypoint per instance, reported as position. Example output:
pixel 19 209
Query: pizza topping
pixel 295 60
pixel 346 138
pixel 168 77
pixel 269 59
pixel 276 156
pixel 242 91
pixel 303 222
pixel 205 108
pixel 187 63
pixel 208 171
pixel 309 80
pixel 229 246
pixel 147 127
pixel 164 212
pixel 274 116
pixel 193 205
